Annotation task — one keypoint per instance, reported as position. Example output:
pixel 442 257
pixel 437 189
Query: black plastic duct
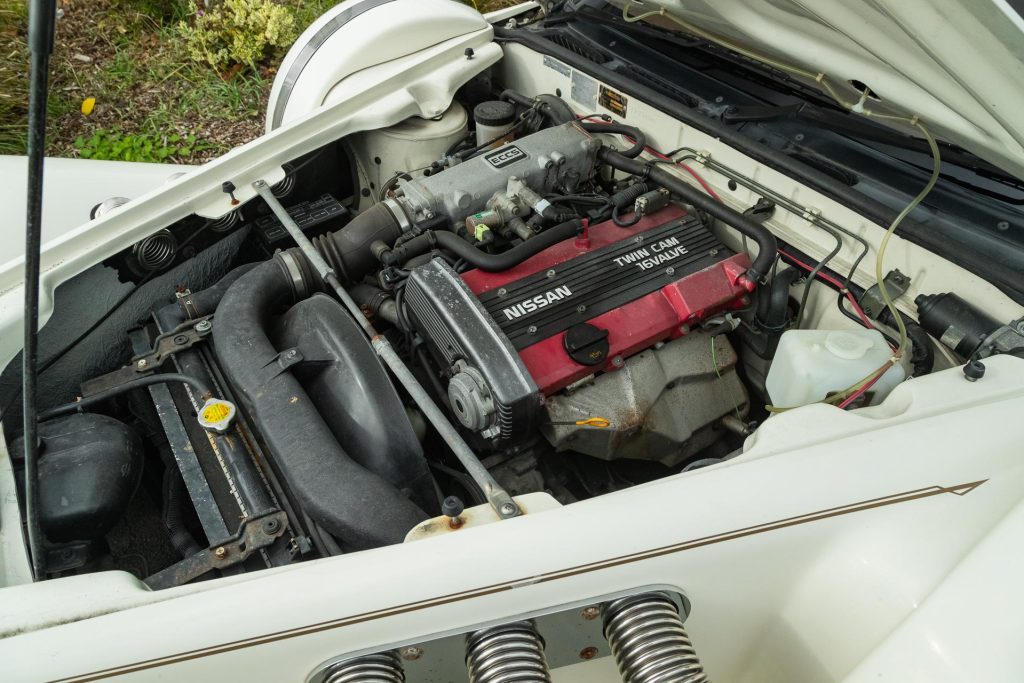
pixel 356 505
pixel 341 374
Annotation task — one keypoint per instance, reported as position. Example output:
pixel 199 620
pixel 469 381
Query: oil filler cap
pixel 586 344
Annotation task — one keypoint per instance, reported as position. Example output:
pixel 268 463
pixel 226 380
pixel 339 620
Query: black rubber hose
pixel 773 310
pixel 922 353
pixel 627 223
pixel 174 515
pixel 200 303
pixel 765 240
pixel 639 139
pixel 353 504
pixel 773 302
pixel 553 108
pixel 348 249
pixel 491 263
pixel 148 380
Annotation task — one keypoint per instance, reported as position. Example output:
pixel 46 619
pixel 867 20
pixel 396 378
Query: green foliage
pixel 141 147
pixel 13 77
pixel 238 32
pixel 159 10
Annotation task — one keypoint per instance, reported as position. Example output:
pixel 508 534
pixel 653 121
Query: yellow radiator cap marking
pixel 216 415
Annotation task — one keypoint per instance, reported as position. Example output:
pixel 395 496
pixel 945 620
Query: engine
pixel 601 328
pixel 504 316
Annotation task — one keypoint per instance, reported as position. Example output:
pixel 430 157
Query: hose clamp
pixel 293 269
pixel 399 214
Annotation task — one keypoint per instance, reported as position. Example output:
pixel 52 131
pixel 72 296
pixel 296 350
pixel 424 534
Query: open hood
pixel 957 65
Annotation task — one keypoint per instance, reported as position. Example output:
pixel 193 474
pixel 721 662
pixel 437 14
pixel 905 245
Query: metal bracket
pixel 896 284
pixel 183 337
pixel 255 534
pixel 762 210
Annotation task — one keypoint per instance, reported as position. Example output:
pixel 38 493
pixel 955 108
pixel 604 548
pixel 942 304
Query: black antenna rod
pixel 42 16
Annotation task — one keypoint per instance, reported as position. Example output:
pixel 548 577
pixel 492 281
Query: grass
pixel 152 102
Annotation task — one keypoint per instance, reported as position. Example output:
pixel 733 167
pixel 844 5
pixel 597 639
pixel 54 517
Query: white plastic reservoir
pixel 810 365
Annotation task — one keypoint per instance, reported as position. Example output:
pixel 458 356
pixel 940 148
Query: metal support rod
pixel 498 497
pixel 41 25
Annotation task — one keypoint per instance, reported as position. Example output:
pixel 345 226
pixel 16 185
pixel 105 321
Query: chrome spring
pixel 287 184
pixel 156 251
pixel 649 642
pixel 383 667
pixel 225 222
pixel 510 653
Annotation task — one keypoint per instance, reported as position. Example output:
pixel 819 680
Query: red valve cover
pixel 643 284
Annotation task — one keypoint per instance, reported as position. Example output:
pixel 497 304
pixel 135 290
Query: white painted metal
pixel 805 558
pixel 958 65
pixel 72 187
pixel 801 601
pixel 358 41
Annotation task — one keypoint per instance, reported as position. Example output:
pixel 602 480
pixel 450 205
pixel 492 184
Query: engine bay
pixel 517 301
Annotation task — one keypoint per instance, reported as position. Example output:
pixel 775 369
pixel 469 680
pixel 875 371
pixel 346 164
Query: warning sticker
pixel 584 90
pixel 556 65
pixel 614 102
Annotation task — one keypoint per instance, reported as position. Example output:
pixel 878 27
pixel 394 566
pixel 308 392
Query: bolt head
pixel 502 292
pixel 220 553
pixel 588 652
pixel 508 509
pixel 532 329
pixel 142 363
pixel 203 326
pixel 291 354
pixel 618 362
pixel 591 613
pixel 550 273
pixel 411 653
pixel 581 308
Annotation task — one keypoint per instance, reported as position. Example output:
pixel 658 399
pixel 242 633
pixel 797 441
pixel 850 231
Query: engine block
pixel 580 308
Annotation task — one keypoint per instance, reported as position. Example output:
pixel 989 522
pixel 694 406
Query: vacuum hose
pixel 765 240
pixel 492 263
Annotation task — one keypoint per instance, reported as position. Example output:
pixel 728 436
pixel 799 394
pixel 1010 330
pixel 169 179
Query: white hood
pixel 957 64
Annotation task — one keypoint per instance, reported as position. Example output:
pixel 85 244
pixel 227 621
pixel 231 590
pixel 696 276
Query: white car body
pixel 878 544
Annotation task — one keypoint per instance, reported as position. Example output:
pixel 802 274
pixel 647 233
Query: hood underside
pixel 959 66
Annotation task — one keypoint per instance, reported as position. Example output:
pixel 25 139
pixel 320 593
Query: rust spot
pixel 588 652
pixel 456 522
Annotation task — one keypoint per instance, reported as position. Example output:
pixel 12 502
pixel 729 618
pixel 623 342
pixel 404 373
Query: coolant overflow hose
pixel 765 240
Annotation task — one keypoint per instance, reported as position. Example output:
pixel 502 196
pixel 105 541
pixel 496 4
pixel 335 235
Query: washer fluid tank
pixel 811 365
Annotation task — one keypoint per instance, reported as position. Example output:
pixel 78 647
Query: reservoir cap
pixel 846 345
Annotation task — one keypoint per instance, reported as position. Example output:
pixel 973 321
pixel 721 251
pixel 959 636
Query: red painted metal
pixel 664 314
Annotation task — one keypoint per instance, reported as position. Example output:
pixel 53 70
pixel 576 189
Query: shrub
pixel 142 147
pixel 238 32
